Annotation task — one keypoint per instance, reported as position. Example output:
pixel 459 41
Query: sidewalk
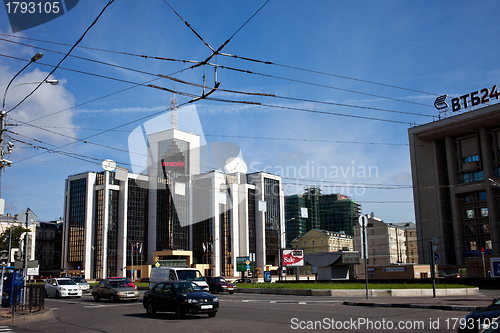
pixel 22 316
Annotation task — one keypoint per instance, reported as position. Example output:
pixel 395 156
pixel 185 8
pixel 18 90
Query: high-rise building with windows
pixel 313 210
pixel 112 216
pixel 455 165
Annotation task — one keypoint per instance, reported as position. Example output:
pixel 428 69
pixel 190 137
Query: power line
pixel 67 54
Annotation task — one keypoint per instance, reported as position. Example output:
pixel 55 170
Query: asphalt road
pixel 241 313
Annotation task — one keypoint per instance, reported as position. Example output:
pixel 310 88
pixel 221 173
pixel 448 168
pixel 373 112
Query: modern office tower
pixel 117 220
pixel 338 213
pixel 455 165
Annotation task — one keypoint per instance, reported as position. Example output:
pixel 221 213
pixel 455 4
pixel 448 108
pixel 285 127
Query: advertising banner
pixel 293 258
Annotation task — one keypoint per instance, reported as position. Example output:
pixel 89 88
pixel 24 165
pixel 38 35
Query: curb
pixel 418 306
pixel 362 292
pixel 46 314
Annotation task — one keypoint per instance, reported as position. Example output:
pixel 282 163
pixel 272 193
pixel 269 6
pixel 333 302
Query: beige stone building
pixel 386 243
pixel 411 241
pixel 315 241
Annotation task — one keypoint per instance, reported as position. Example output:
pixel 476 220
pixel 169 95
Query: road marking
pixel 286 301
pixel 108 305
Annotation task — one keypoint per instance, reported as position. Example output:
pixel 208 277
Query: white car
pixel 62 287
pixel 84 286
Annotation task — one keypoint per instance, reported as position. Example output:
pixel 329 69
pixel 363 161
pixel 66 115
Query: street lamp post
pixel 4 162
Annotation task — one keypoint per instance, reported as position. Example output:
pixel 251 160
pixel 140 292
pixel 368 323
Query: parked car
pixel 84 286
pixel 115 289
pixel 218 284
pixel 181 297
pixel 243 281
pixel 62 287
pixel 130 283
pixel 481 319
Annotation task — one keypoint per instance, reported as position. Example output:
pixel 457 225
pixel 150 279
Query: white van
pixel 163 273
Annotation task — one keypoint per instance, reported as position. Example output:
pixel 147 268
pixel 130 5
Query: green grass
pixel 349 285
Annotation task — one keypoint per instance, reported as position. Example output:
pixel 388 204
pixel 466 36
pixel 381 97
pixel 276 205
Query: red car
pixel 218 284
pixel 130 283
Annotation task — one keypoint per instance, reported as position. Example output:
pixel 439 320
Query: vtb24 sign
pixel 473 99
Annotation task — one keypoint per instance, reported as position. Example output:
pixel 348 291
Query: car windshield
pixel 66 282
pixel 118 284
pixel 219 279
pixel 187 287
pixel 190 275
pixel 79 280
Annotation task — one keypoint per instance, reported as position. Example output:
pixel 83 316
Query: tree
pixel 17 234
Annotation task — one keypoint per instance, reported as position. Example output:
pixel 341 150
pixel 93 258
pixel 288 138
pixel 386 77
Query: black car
pixel 481 319
pixel 243 281
pixel 181 297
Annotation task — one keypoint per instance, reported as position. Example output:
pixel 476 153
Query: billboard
pixel 293 258
pixel 495 267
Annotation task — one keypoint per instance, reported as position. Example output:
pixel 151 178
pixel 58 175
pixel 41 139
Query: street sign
pixel 267 276
pixel 436 256
pixel 363 220
pixel 243 264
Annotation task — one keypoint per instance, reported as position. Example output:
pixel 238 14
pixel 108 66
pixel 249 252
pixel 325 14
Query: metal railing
pixel 28 298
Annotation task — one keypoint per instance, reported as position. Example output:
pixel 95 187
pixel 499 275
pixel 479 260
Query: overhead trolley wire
pixel 67 54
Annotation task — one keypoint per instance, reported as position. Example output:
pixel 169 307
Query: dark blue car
pixel 480 320
pixel 180 297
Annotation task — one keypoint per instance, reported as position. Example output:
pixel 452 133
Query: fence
pixel 28 298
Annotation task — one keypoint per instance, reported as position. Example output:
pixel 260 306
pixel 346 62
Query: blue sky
pixel 390 55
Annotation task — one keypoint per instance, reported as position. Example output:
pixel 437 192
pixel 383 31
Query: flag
pixel 204 248
pixel 140 249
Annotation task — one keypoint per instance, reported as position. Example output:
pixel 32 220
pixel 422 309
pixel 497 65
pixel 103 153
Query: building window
pixel 411 234
pixel 413 261
pixel 470 177
pixel 487 245
pixel 472 246
pixel 411 252
pixel 374 261
pixel 485 228
pixel 373 232
pixel 313 242
pixel 304 243
pixel 411 243
pixel 469 213
pixel 321 242
pixel 373 251
pixel 484 212
pixel 468 159
pixel 482 195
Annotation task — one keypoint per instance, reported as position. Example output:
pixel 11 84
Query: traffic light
pixel 4 257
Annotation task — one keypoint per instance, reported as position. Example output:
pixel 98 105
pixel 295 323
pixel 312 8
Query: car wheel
pixel 96 297
pixel 150 310
pixel 231 292
pixel 112 298
pixel 178 312
pixel 78 296
pixel 212 314
pixel 216 291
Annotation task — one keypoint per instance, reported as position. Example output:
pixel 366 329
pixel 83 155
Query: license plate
pixel 229 288
pixel 130 295
pixel 204 307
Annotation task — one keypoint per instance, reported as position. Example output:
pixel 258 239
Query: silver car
pixel 84 286
pixel 62 287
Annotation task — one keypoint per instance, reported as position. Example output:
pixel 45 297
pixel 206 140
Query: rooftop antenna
pixel 173 112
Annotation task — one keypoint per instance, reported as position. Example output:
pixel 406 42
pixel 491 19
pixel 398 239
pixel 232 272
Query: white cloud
pixel 44 102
